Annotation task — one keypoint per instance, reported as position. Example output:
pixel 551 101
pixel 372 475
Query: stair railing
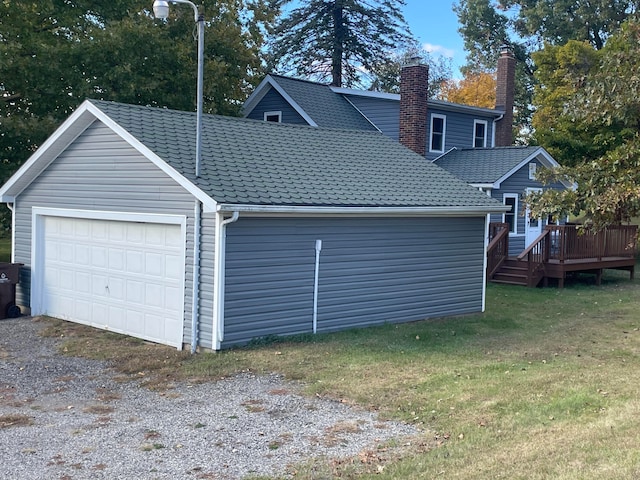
pixel 536 255
pixel 498 248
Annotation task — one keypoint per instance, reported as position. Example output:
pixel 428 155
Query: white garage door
pixel 123 276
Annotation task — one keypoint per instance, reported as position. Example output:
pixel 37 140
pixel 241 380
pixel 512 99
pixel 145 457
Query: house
pixel 459 138
pixel 288 229
pixel 506 174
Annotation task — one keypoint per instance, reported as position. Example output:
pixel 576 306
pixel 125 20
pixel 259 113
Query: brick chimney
pixel 505 88
pixel 414 89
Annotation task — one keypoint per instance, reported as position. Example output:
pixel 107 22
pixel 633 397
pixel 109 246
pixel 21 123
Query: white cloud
pixel 439 49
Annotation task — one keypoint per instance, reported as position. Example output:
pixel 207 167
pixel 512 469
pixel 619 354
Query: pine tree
pixel 340 40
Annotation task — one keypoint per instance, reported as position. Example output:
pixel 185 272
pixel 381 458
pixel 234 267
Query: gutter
pixel 368 211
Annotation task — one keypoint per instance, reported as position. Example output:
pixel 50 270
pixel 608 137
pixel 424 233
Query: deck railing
pixel 569 243
pixel 498 248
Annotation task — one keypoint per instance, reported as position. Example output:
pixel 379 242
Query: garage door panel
pixel 117 275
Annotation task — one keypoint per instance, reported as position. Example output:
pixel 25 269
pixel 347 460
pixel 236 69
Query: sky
pixel 435 25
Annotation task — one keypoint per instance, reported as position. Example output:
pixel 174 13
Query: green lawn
pixel 543 385
pixel 5 249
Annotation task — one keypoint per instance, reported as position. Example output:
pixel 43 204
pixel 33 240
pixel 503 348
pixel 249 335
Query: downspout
pixel 195 294
pixel 484 261
pixel 222 234
pixel 493 130
pixel 11 208
pixel 315 286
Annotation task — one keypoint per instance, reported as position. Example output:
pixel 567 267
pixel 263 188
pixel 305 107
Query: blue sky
pixel 435 25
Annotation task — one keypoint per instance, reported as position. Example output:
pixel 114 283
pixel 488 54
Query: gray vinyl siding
pixel 384 114
pixel 100 171
pixel 274 102
pixel 518 184
pixel 372 271
pixel 459 130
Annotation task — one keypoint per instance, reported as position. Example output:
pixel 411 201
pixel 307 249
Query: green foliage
pixel 527 25
pixel 558 21
pixel 55 54
pixel 386 77
pixel 602 98
pixel 337 39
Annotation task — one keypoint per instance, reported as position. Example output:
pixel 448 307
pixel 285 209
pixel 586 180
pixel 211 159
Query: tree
pixel 386 77
pixel 528 25
pixel 475 89
pixel 340 40
pixel 608 187
pixel 55 54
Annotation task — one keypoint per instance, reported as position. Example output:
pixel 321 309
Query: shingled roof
pixel 318 101
pixel 264 163
pixel 490 165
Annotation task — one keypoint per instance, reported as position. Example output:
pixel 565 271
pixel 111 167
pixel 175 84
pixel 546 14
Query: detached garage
pixel 286 229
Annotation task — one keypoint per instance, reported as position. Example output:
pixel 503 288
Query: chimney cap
pixel 506 50
pixel 413 61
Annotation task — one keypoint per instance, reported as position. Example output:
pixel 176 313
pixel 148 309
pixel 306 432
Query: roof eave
pixel 461 211
pixel 77 123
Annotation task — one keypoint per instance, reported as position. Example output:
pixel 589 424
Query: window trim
pixel 515 211
pixel 533 168
pixel 484 138
pixel 444 132
pixel 274 113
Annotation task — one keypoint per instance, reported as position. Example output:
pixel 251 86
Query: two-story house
pixel 475 144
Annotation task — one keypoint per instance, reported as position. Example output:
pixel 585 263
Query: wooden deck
pixel 559 251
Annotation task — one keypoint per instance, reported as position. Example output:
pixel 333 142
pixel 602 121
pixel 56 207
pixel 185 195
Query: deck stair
pixel 512 272
pixel 561 250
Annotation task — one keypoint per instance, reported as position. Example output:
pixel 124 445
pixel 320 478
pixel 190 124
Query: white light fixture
pixel 161 9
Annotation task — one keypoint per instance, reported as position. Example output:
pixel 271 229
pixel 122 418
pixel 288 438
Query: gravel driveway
pixel 85 424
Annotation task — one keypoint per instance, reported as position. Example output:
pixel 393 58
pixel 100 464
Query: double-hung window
pixel 438 130
pixel 511 216
pixel 479 133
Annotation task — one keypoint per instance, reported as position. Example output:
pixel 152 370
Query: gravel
pixel 85 424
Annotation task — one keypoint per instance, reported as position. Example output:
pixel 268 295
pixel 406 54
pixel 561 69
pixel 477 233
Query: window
pixel 511 217
pixel 532 170
pixel 438 127
pixel 273 117
pixel 479 133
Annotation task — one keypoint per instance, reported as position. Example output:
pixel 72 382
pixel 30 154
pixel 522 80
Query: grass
pixel 5 249
pixel 543 385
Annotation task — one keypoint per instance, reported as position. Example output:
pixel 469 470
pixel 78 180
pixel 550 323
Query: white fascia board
pixel 77 123
pixel 261 91
pixel 366 93
pixel 443 154
pixel 57 142
pixel 362 211
pixel 208 203
pixel 255 97
pixel 456 107
pixel 539 154
pixel 484 186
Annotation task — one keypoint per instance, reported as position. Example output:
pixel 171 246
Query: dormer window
pixel 438 129
pixel 275 117
pixel 479 133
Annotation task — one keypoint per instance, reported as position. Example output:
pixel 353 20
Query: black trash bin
pixel 9 278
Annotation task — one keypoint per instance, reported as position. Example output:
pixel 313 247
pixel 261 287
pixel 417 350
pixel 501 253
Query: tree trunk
pixel 338 44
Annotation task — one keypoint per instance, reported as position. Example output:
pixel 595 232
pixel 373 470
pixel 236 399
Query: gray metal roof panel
pixel 483 165
pixel 264 163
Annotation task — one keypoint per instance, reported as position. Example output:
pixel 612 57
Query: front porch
pixel 558 251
